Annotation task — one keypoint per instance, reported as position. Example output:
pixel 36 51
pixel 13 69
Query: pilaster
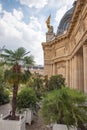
pixel 85 66
pixel 67 73
pixel 75 72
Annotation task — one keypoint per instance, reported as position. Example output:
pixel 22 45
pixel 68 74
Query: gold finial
pixel 48 22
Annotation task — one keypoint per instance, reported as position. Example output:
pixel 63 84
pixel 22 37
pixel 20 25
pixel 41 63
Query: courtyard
pixel 37 123
pixel 46 92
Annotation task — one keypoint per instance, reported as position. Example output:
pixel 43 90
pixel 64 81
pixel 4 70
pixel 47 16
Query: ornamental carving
pixel 61 65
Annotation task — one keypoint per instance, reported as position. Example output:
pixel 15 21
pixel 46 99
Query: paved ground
pixel 4 109
pixel 37 124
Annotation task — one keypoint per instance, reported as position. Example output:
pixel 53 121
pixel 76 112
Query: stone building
pixel 66 52
pixel 39 69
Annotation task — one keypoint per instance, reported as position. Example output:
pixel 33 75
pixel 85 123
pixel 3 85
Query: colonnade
pixel 76 70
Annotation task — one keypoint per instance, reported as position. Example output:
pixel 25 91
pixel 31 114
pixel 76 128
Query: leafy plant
pixel 4 95
pixel 65 106
pixel 55 82
pixel 26 98
pixel 37 84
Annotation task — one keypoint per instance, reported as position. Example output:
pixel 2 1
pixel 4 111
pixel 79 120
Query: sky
pixel 23 23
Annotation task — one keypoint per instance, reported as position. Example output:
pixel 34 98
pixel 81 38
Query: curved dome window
pixel 64 23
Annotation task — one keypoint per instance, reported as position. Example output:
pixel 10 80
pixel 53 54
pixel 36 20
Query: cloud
pixel 34 3
pixel 66 5
pixel 35 24
pixel 18 14
pixel 59 4
pixel 15 33
pixel 0 8
pixel 59 14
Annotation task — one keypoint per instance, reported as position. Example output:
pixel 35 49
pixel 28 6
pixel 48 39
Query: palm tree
pixel 14 75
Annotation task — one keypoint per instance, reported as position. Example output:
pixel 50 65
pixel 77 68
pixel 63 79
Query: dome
pixel 64 23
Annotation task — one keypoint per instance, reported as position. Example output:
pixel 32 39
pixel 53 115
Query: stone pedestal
pixel 50 34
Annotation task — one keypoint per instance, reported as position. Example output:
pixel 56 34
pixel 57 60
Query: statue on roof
pixel 48 22
pixel 50 28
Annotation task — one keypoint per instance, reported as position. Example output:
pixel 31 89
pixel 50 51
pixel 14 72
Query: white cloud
pixel 35 24
pixel 18 14
pixel 0 8
pixel 34 3
pixel 64 6
pixel 60 14
pixel 15 33
pixel 59 3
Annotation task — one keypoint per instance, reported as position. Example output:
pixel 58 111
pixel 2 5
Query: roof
pixel 64 23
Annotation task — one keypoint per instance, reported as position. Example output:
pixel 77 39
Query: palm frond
pixel 10 52
pixel 28 60
pixel 4 55
pixel 17 56
pixel 27 53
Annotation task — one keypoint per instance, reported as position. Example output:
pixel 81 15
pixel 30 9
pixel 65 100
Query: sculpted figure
pixel 48 23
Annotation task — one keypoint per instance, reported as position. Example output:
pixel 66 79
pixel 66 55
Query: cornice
pixel 57 39
pixel 75 16
pixel 83 41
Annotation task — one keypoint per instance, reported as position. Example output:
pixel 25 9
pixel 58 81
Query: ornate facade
pixel 66 52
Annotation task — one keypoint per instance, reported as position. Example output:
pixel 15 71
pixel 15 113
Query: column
pixel 80 72
pixel 51 69
pixel 85 67
pixel 67 73
pixel 54 69
pixel 70 72
pixel 75 72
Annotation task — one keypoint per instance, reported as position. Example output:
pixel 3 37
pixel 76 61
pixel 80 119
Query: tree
pixel 14 74
pixel 55 82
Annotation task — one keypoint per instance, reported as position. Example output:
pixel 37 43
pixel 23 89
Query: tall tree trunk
pixel 14 100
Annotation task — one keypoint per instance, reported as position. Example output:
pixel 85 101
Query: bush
pixel 64 106
pixel 4 96
pixel 26 98
pixel 55 82
pixel 37 84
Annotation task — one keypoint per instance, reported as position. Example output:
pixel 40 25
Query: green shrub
pixel 64 106
pixel 55 82
pixel 26 98
pixel 37 84
pixel 4 96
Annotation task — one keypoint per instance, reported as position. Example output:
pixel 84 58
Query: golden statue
pixel 48 22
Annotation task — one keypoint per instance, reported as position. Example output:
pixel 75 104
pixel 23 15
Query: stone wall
pixel 66 54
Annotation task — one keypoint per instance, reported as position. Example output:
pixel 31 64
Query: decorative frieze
pixel 61 65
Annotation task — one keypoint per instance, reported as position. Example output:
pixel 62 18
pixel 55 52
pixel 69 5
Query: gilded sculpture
pixel 48 23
